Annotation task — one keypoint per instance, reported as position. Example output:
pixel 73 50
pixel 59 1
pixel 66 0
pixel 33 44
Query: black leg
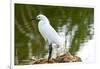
pixel 50 52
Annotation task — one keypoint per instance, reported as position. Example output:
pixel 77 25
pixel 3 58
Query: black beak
pixel 33 19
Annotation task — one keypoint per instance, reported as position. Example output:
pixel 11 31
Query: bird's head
pixel 41 17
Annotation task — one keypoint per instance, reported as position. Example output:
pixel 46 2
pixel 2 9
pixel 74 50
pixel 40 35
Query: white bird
pixel 48 33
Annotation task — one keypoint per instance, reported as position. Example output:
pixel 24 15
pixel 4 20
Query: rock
pixel 65 58
pixel 76 59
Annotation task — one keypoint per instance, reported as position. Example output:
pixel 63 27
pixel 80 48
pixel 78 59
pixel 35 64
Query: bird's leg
pixel 50 52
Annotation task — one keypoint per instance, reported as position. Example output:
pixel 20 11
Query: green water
pixel 29 42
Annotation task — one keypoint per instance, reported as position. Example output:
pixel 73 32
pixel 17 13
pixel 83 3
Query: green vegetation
pixel 26 30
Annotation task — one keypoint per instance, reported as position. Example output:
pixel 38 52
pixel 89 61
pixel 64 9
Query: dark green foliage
pixel 82 17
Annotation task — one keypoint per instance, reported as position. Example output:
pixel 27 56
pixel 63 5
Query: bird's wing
pixel 55 36
pixel 48 32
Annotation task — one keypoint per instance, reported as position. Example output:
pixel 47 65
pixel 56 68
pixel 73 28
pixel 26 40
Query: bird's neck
pixel 45 21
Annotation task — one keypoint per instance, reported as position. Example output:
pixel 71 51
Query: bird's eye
pixel 38 17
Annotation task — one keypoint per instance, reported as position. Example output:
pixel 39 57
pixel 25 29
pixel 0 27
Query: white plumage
pixel 47 31
pixel 50 35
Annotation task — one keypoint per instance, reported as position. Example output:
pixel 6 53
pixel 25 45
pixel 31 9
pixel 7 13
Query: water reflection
pixel 74 25
pixel 87 52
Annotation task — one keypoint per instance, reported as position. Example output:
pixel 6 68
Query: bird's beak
pixel 33 19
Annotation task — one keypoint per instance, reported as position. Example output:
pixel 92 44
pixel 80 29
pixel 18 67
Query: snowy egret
pixel 48 33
